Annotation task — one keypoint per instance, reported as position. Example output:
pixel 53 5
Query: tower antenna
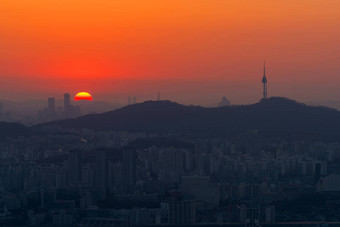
pixel 264 81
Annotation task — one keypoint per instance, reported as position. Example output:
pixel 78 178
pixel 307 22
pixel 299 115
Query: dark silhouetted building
pixel 70 110
pixel 270 214
pixel 67 101
pixel 101 168
pixel 317 172
pixel 182 212
pixel 253 215
pixel 74 167
pixel 129 169
pixel 67 105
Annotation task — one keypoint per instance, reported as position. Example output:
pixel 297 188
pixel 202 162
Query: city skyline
pixel 334 103
pixel 194 52
pixel 169 113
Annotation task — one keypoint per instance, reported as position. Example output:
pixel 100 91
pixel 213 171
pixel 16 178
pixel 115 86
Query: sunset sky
pixel 192 51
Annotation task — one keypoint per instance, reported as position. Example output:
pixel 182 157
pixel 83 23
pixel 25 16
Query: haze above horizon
pixel 192 51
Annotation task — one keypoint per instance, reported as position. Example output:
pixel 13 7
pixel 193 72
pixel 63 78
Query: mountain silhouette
pixel 10 129
pixel 273 116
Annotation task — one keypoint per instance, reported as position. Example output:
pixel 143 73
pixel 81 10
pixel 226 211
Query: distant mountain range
pixel 274 116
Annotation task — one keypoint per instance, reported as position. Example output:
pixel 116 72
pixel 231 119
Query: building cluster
pixel 85 178
pixel 52 113
pixel 32 112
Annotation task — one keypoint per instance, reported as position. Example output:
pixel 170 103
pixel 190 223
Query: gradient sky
pixel 192 51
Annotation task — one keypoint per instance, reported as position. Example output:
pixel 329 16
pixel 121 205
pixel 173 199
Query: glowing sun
pixel 83 96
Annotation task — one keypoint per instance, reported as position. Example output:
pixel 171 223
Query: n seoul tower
pixel 264 81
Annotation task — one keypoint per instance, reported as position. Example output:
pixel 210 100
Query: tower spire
pixel 264 81
pixel 264 68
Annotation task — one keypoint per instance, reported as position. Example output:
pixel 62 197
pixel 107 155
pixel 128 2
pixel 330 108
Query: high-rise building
pixel 270 214
pixel 264 81
pixel 74 167
pixel 70 110
pixel 67 105
pixel 250 214
pixel 317 172
pixel 67 101
pixel 182 212
pixel 101 168
pixel 51 107
pixel 129 169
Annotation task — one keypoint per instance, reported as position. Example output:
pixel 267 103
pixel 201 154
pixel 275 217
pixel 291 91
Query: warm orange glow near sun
pixel 83 96
pixel 190 50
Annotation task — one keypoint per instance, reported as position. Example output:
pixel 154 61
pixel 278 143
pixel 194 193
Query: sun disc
pixel 83 95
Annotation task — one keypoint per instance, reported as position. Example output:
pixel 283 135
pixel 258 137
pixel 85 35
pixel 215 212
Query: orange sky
pixel 193 51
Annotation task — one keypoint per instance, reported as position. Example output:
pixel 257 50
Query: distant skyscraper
pixel 67 105
pixel 51 107
pixel 67 101
pixel 264 81
pixel 74 167
pixel 70 110
pixel 158 97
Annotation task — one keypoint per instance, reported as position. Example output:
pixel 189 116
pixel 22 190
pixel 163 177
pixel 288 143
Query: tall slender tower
pixel 264 81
